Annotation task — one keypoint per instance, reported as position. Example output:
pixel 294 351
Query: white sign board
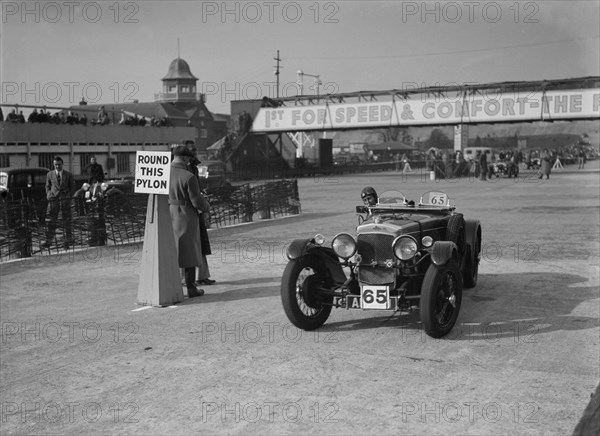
pixel 152 172
pixel 510 106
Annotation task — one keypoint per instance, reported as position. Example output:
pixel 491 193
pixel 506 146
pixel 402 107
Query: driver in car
pixel 369 196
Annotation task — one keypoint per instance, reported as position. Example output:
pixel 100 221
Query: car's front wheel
pixel 441 296
pixel 300 286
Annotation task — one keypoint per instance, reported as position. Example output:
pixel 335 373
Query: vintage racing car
pixel 403 257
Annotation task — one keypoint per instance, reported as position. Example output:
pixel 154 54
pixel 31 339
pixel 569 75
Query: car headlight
pixel 427 241
pixel 319 239
pixel 344 245
pixel 405 247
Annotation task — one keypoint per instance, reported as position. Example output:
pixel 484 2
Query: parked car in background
pixel 124 184
pixel 213 175
pixel 24 185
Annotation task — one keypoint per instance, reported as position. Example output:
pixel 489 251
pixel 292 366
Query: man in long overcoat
pixel 185 200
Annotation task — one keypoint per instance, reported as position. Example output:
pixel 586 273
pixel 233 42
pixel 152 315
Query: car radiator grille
pixel 375 248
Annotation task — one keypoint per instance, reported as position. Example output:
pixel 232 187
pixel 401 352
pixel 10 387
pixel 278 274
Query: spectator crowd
pixel 492 163
pixel 73 118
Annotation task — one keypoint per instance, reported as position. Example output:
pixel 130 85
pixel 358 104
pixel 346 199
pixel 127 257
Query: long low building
pixel 114 143
pixel 35 145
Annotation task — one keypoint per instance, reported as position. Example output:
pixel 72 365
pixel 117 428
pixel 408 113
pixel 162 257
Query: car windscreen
pixel 22 180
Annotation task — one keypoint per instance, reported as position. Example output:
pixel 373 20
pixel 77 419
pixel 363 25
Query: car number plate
pixel 375 297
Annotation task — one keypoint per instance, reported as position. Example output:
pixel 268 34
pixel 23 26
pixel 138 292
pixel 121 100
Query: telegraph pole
pixel 279 138
pixel 277 72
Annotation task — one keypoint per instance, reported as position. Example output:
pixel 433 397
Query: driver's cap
pixel 368 191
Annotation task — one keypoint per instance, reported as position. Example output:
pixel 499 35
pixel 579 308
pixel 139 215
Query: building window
pixel 4 160
pixel 122 162
pixel 185 89
pixel 203 133
pixel 172 88
pixel 193 88
pixel 202 123
pixel 84 161
pixel 201 113
pixel 45 160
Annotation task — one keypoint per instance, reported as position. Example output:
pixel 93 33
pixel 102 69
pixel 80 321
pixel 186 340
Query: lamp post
pixel 316 85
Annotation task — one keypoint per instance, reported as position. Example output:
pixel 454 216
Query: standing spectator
pixel 33 116
pixel 71 118
pixel 513 166
pixel 83 119
pixel 12 117
pixel 429 160
pixel 202 272
pixel 405 165
pixel 43 117
pixel 1 114
pixel 94 172
pixel 101 114
pixel 546 165
pixel 59 186
pixel 581 158
pixel 185 200
pixel 483 163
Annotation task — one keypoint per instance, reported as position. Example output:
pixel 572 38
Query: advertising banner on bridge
pixel 431 110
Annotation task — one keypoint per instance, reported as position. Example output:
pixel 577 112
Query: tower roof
pixel 179 69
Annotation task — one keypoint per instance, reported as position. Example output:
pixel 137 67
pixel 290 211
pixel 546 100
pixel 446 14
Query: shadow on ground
pixel 529 305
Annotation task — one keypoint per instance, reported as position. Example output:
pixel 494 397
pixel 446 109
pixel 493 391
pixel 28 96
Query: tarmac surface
pixel 79 356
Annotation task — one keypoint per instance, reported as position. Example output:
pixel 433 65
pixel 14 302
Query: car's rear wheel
pixel 472 260
pixel 300 286
pixel 441 296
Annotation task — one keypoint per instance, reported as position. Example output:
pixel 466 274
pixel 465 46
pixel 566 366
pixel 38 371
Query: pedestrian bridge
pixel 513 102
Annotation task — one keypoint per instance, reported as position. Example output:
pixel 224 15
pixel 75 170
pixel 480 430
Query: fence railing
pixel 26 227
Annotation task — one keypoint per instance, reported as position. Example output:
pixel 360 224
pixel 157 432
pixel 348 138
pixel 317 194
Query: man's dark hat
pixel 182 150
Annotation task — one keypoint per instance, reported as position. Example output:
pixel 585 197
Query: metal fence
pixel 120 219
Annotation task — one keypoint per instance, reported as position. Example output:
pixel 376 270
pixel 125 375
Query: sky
pixel 53 53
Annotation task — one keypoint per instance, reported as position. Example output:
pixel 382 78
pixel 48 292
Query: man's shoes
pixel 206 281
pixel 194 291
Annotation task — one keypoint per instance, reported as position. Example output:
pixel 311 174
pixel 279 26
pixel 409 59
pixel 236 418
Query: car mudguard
pixel 443 251
pixel 472 229
pixel 307 247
